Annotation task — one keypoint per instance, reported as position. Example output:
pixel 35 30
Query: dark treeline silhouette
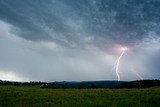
pixel 84 84
pixel 141 84
pixel 87 84
pixel 20 83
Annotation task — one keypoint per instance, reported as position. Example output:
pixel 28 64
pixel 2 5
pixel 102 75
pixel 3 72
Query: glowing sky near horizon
pixel 67 40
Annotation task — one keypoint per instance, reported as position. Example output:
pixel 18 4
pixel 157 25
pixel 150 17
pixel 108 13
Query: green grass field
pixel 33 96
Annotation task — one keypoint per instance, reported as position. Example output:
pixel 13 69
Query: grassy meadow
pixel 34 96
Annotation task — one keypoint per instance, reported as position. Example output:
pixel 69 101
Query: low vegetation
pixel 34 96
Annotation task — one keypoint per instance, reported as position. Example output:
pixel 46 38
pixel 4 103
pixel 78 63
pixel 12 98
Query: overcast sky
pixel 79 40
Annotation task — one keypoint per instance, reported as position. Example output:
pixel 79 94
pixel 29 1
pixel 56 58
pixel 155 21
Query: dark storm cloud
pixel 64 21
pixel 79 39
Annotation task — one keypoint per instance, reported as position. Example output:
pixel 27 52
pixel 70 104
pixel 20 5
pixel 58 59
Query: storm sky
pixel 79 40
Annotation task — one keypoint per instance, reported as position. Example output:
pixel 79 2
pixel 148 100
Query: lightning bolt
pixel 133 70
pixel 118 63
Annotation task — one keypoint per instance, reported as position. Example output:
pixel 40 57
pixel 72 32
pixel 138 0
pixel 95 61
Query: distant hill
pixel 88 84
pixel 141 84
